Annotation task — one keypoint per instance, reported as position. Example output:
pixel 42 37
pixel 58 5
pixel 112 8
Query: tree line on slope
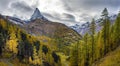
pixel 95 45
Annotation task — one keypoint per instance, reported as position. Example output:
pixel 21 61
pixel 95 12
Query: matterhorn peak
pixel 37 15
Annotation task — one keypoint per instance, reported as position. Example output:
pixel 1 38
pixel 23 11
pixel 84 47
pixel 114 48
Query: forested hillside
pixel 21 48
pixel 95 46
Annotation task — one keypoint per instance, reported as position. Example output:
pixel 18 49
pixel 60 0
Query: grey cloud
pixel 69 16
pixel 47 15
pixel 65 18
pixel 111 3
pixel 21 6
pixel 85 17
pixel 4 4
pixel 36 4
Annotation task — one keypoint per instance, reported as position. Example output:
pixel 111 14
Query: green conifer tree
pixel 117 30
pixel 106 30
pixel 92 32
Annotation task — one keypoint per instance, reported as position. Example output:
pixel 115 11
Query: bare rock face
pixel 37 15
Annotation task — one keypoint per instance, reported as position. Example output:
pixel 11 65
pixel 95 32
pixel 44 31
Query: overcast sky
pixel 68 12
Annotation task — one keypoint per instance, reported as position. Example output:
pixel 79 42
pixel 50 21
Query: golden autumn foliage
pixel 11 44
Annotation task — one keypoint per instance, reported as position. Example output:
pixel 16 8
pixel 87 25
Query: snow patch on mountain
pixel 84 28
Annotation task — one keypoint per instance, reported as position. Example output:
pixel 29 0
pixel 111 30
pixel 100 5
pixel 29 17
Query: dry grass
pixel 3 64
pixel 112 59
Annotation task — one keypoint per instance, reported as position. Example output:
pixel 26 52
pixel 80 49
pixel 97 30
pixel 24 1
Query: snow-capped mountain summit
pixel 37 15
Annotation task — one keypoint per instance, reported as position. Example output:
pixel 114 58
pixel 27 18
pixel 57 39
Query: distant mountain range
pixel 84 28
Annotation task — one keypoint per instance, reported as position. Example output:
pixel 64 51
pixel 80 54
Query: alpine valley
pixel 41 42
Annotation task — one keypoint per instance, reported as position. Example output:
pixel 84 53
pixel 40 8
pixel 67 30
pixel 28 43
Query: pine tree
pixel 75 55
pixel 81 54
pixel 86 49
pixel 112 39
pixel 106 30
pixel 99 46
pixel 117 29
pixel 92 32
pixel 40 55
pixel 1 43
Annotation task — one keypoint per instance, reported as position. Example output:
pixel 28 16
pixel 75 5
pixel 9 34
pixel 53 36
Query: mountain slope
pixel 52 29
pixel 39 25
pixel 111 59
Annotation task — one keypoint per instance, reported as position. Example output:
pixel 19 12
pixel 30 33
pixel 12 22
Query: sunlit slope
pixel 111 59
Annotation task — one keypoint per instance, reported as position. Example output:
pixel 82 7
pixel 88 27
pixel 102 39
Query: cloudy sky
pixel 69 12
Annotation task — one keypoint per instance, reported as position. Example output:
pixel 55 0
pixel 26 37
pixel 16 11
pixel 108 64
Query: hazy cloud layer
pixel 68 12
